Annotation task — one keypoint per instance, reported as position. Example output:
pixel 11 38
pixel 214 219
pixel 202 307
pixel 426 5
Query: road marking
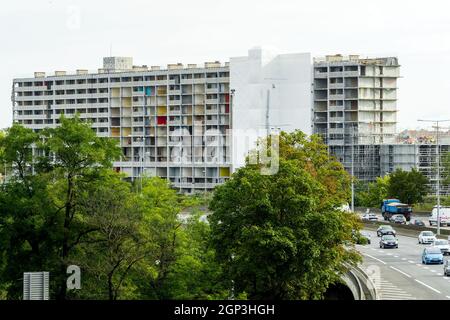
pixel 389 291
pixel 403 259
pixel 380 251
pixel 389 254
pixel 433 270
pixel 395 256
pixel 418 264
pixel 426 268
pixel 410 261
pixel 403 273
pixel 448 297
pixel 374 258
pixel 373 249
pixel 424 284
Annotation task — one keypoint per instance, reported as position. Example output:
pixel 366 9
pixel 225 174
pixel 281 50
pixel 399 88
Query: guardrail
pixel 360 284
pixel 407 228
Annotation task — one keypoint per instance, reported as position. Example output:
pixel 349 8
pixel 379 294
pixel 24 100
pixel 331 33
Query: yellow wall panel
pixel 224 172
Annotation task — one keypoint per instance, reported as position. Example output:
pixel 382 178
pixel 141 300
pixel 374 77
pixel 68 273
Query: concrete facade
pixel 176 123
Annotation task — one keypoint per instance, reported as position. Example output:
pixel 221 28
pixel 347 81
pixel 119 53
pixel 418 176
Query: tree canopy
pixel 281 236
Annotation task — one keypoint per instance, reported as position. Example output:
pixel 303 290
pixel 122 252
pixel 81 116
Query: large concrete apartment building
pixel 191 124
pixel 355 106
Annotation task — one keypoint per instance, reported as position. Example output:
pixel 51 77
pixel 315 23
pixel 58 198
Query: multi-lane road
pixel 399 273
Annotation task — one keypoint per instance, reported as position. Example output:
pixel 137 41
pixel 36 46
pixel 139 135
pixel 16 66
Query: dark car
pixel 417 223
pixel 398 218
pixel 384 230
pixel 388 241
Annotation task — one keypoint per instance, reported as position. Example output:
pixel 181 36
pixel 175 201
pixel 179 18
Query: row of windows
pixel 176 77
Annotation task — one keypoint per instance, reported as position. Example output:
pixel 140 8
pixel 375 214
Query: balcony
pixel 336 97
pixel 336 85
pixel 320 75
pixel 336 119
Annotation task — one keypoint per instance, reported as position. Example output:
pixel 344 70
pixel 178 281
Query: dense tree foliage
pixel 270 236
pixel 408 186
pixel 372 194
pixel 281 236
pixel 63 204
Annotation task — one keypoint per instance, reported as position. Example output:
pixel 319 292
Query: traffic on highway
pixel 406 267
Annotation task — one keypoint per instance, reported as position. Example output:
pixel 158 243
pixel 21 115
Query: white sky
pixel 48 35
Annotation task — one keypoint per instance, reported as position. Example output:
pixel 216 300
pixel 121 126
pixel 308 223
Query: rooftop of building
pixel 354 58
pixel 125 65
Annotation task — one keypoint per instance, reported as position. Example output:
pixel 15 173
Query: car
pixel 443 245
pixel 432 255
pixel 369 217
pixel 385 229
pixel 426 237
pixel 398 218
pixel 446 268
pixel 388 241
pixel 417 223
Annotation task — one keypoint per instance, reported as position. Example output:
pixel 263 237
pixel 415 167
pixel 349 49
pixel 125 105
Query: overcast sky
pixel 43 35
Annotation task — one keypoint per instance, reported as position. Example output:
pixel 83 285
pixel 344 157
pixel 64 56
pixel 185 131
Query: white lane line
pixel 380 251
pixel 374 258
pixel 403 259
pixel 410 261
pixel 373 249
pixel 433 270
pixel 424 284
pixel 418 264
pixel 426 268
pixel 395 256
pixel 403 273
pixel 389 254
pixel 448 297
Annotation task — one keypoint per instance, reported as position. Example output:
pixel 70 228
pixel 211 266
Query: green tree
pixel 108 254
pixel 281 236
pixel 373 195
pixel 76 157
pixel 408 186
pixel 196 274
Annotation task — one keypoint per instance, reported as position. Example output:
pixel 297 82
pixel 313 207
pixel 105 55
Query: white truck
pixel 444 216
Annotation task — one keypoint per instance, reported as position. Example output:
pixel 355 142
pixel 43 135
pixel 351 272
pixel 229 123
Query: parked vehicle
pixel 432 255
pixel 417 223
pixel 444 216
pixel 385 229
pixel 443 245
pixel 426 237
pixel 388 241
pixel 389 207
pixel 447 268
pixel 369 217
pixel 398 218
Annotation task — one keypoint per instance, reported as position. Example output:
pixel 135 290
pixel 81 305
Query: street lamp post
pixel 438 177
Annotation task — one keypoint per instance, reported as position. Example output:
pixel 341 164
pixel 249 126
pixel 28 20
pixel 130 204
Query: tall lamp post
pixel 438 178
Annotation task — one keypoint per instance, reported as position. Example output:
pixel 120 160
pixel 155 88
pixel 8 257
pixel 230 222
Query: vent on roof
pixel 39 74
pixel 60 73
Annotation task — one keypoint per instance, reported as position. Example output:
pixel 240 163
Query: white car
pixel 369 217
pixel 443 245
pixel 427 237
